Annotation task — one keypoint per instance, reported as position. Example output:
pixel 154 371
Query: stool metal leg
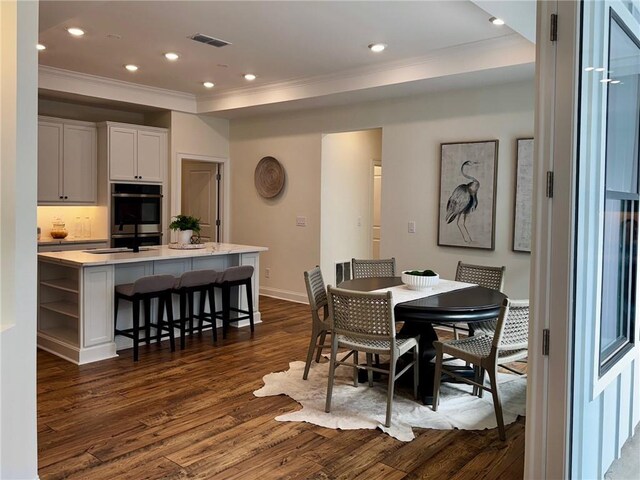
pixel 147 321
pixel 226 308
pixel 212 310
pixel 190 298
pixel 169 304
pixel 183 318
pixel 201 314
pixel 136 327
pixel 250 302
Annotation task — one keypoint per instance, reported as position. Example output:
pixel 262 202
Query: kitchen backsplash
pixel 98 221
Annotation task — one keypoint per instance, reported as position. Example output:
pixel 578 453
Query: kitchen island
pixel 75 292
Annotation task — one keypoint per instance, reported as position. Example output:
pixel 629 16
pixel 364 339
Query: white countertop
pixel 84 258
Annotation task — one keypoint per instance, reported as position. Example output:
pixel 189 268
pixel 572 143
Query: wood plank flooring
pixel 192 414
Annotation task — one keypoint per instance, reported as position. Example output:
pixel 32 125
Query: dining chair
pixel 373 268
pixel 364 322
pixel 484 276
pixel 317 294
pixel 508 344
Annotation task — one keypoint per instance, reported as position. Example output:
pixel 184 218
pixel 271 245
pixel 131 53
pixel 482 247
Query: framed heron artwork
pixel 468 173
pixel 524 196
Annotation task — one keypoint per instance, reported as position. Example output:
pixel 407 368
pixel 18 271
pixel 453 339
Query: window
pixel 621 203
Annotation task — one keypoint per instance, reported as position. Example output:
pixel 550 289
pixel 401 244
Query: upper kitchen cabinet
pixel 67 162
pixel 135 153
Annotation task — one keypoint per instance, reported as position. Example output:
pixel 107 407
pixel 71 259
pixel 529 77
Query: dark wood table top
pixel 469 304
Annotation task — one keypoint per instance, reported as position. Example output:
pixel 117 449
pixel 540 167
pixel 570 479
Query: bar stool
pixel 200 281
pixel 235 277
pixel 145 289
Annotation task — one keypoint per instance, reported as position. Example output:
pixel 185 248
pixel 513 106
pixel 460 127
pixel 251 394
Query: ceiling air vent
pixel 199 37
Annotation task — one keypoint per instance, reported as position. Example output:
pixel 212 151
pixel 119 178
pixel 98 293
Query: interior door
pixel 200 196
pixel 377 203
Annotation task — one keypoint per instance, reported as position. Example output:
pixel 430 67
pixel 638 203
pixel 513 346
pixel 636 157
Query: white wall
pixel 412 130
pixel 346 194
pixel 18 173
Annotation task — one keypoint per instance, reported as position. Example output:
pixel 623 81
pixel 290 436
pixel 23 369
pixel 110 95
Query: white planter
pixel 416 282
pixel 184 237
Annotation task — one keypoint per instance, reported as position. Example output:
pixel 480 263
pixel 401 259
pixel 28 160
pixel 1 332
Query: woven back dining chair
pixel 484 276
pixel 317 295
pixel 508 344
pixel 364 322
pixel 373 268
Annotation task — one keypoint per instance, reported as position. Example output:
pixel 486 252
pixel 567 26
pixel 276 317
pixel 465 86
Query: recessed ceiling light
pixel 209 84
pixel 377 47
pixel 41 47
pixel 171 56
pixel 615 82
pixel 131 67
pixel 496 21
pixel 249 76
pixel 588 69
pixel 600 69
pixel 605 80
pixel 76 32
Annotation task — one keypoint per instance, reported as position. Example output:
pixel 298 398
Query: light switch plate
pixel 301 221
pixel 412 227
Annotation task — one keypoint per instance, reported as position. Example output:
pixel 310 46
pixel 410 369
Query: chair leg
pixel 392 382
pixel 332 370
pixel 201 314
pixel 481 380
pixel 190 303
pixel 136 328
pixel 369 371
pixel 250 302
pixel 355 368
pixel 169 305
pixel 147 321
pixel 311 349
pixel 437 377
pixel 323 338
pixel 497 406
pixel 226 312
pixel 183 318
pixel 212 310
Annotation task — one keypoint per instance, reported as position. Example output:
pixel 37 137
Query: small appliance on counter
pixel 58 231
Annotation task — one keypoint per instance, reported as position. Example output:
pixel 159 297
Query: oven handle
pixel 131 235
pixel 136 195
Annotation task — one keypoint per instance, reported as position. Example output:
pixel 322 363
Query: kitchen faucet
pixel 136 243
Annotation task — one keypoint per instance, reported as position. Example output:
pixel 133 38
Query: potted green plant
pixel 186 226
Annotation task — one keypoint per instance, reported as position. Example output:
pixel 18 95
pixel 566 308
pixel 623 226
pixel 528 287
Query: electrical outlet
pixel 301 221
pixel 267 273
pixel 412 227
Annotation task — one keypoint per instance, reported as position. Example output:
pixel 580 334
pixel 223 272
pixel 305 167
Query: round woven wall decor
pixel 269 177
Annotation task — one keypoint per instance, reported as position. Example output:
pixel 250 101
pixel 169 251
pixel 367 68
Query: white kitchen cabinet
pixel 67 162
pixel 137 154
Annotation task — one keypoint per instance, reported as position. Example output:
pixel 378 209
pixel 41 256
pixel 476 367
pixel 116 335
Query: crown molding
pixel 498 52
pixel 57 79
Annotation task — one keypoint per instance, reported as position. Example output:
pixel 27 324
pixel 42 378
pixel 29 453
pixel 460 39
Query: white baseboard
pixel 284 295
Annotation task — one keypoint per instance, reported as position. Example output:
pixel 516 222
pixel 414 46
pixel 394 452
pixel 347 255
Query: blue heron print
pixel 463 201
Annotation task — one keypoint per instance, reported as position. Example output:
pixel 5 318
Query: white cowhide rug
pixel 364 407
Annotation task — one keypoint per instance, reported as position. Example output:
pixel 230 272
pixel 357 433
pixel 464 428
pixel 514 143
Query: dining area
pixel 419 329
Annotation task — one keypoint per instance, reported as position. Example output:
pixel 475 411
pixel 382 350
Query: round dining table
pixel 465 305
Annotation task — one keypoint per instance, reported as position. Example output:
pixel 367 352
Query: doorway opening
pixel 200 189
pixel 347 199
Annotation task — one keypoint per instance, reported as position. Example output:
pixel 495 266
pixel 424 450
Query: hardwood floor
pixel 192 414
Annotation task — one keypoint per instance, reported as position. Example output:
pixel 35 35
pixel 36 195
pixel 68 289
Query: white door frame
pixel 548 424
pixel 176 187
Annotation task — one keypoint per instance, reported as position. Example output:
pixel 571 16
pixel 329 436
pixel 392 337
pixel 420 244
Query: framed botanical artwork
pixel 524 195
pixel 468 173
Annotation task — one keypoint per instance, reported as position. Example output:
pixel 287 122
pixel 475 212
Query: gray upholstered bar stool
pixel 234 277
pixel 197 281
pixel 144 290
